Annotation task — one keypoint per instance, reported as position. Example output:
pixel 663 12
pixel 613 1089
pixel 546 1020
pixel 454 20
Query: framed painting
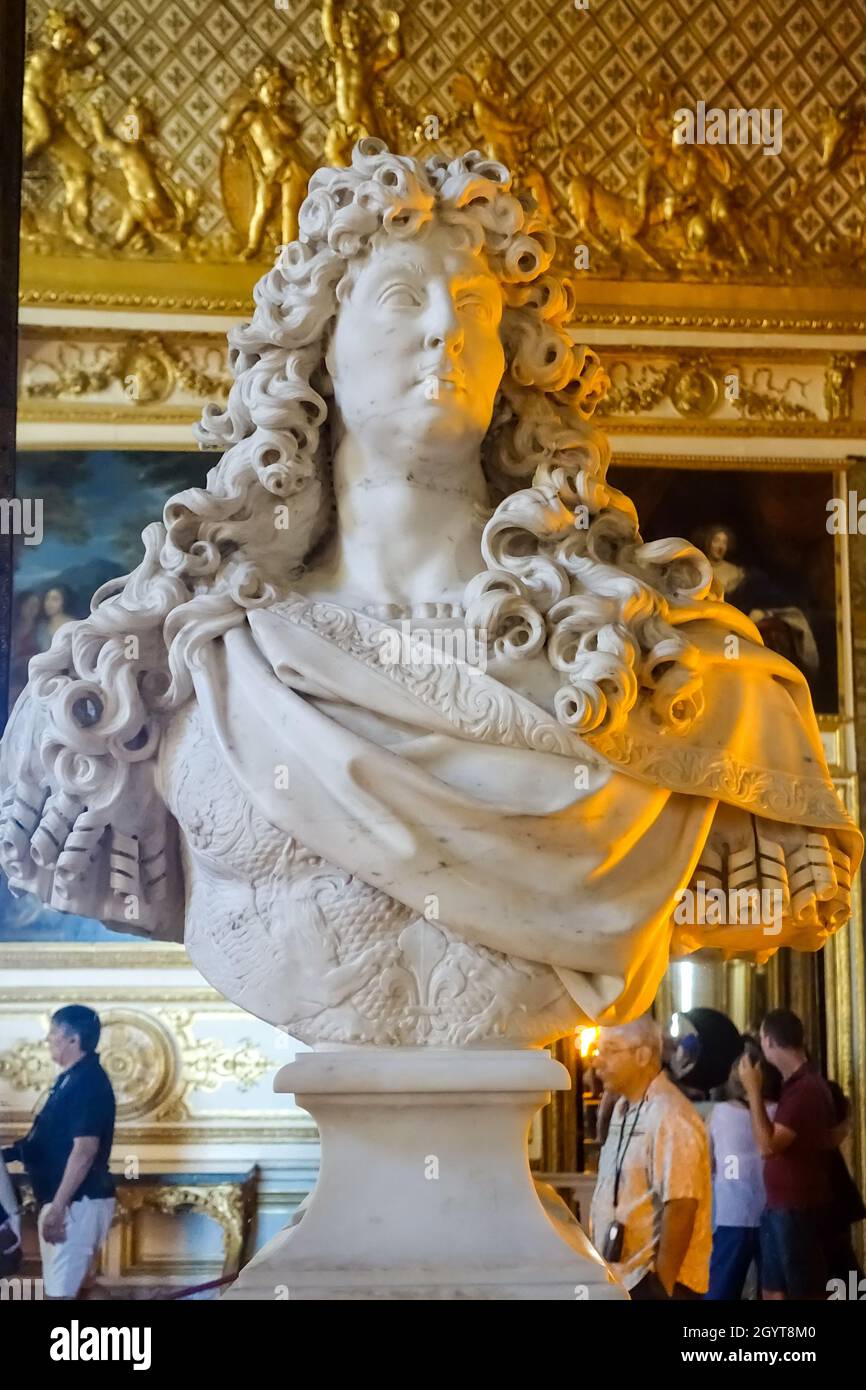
pixel 765 532
pixel 82 513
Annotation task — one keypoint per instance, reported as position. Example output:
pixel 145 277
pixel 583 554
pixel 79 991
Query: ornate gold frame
pixel 739 463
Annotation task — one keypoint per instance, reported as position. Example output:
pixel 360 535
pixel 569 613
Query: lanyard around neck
pixel 620 1162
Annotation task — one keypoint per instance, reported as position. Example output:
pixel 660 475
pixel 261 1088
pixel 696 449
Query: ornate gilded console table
pixel 229 1199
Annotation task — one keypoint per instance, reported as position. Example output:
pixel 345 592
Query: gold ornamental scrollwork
pixel 148 367
pixel 134 1047
pixel 700 385
pixel 208 1063
pixel 27 1067
pixel 138 1054
pixel 761 399
pixel 154 1059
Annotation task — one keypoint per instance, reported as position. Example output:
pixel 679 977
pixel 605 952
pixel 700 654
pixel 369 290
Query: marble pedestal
pixel 425 1190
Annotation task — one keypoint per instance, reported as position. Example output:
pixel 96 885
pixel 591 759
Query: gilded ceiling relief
pixel 186 130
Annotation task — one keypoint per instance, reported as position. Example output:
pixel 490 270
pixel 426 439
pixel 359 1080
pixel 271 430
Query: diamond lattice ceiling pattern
pixel 185 59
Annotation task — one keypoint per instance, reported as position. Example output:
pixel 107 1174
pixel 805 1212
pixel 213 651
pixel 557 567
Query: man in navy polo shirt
pixel 796 1146
pixel 67 1151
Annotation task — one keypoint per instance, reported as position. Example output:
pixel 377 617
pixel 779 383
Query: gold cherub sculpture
pixel 361 45
pixel 53 71
pixel 260 161
pixel 843 138
pixel 605 218
pixel 484 93
pixel 700 213
pixel 153 205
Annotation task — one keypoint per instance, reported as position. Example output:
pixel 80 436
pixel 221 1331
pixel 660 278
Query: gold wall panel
pixel 167 1052
pixel 562 92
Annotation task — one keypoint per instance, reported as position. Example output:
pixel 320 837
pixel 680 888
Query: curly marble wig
pixel 566 570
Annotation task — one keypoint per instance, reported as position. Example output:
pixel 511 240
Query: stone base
pixel 425 1189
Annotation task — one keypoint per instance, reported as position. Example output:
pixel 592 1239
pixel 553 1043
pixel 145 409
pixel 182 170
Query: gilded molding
pixel 108 415
pixel 27 1066
pixel 111 994
pixel 752 321
pixel 87 955
pixel 167 302
pixel 165 298
pixel 749 429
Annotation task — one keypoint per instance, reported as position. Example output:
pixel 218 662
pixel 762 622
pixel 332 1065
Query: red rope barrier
pixel 198 1288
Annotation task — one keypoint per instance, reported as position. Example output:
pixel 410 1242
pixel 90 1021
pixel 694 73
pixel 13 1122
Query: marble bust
pixel 418 843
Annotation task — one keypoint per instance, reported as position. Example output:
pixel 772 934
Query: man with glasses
pixel 651 1208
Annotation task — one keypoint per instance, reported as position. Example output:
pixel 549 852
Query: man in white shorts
pixel 66 1154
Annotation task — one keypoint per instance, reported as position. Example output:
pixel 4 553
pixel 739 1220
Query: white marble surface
pixel 424 1189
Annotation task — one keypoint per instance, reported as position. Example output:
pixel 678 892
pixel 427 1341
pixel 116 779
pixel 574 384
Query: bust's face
pixel 416 356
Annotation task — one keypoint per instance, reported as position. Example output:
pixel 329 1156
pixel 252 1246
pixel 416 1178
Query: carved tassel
pixel 123 871
pixel 58 816
pixel 22 809
pixel 79 851
pixel 153 867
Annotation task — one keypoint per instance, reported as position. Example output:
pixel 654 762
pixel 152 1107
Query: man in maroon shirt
pixel 795 1145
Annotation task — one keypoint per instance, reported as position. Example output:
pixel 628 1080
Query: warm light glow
pixel 687 985
pixel 586 1040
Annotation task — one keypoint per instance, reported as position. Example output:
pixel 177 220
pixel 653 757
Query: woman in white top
pixel 738 1189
